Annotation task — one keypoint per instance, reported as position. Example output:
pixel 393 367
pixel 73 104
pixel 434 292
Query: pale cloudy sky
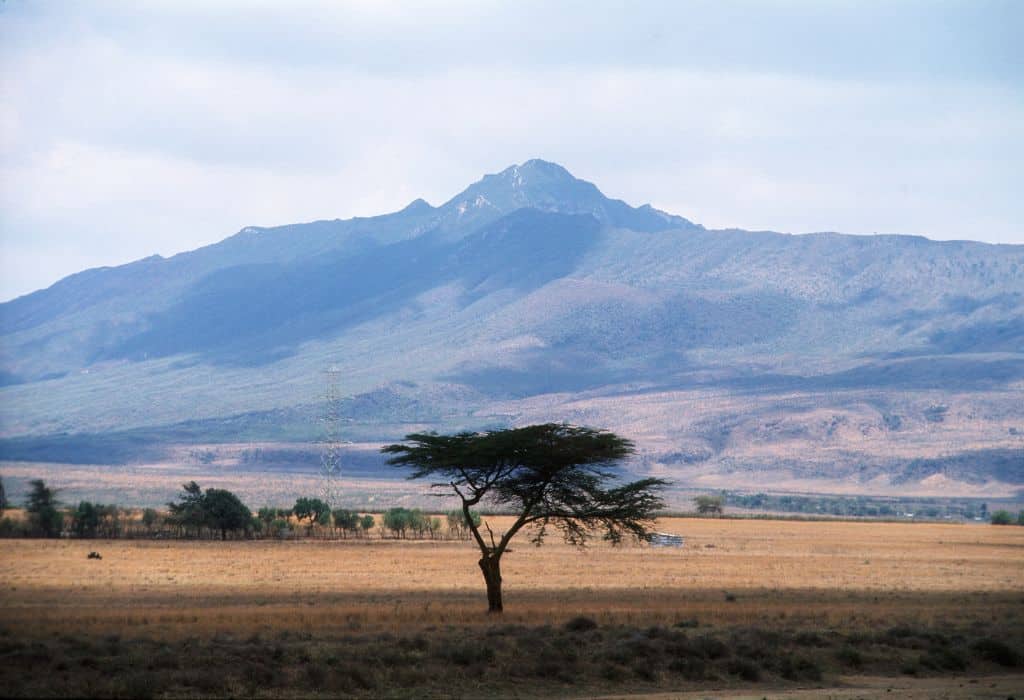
pixel 133 128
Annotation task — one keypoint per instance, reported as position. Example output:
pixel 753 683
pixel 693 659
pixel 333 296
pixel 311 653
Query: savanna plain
pixel 772 608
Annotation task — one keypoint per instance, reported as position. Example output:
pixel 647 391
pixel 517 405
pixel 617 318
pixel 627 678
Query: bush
pixel 711 648
pixel 467 654
pixel 997 651
pixel 848 656
pixel 747 670
pixel 580 624
pixel 692 669
pixel 943 660
pixel 1002 517
pixel 7 528
pixel 799 669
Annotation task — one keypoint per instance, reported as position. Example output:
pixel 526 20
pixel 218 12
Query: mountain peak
pixel 417 206
pixel 535 167
pixel 547 186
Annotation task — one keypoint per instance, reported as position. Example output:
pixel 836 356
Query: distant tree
pixel 1020 518
pixel 434 527
pixel 367 523
pixel 85 520
pixel 398 520
pixel 419 523
pixel 149 518
pixel 1002 517
pixel 549 475
pixel 457 522
pixel 312 510
pixel 109 520
pixel 218 509
pixel 41 506
pixel 709 505
pixel 225 512
pixel 188 512
pixel 346 520
pixel 279 527
pixel 3 497
pixel 266 516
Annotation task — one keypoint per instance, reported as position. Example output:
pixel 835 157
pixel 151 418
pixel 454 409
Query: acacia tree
pixel 550 475
pixel 312 509
pixel 3 497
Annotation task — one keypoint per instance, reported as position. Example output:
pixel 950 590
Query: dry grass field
pixel 839 582
pixel 833 571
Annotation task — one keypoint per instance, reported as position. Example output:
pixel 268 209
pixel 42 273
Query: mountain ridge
pixel 532 288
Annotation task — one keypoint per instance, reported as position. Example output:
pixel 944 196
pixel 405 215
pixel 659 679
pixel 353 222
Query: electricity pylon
pixel 330 440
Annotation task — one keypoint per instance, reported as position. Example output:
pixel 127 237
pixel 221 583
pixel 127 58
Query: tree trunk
pixel 223 534
pixel 491 566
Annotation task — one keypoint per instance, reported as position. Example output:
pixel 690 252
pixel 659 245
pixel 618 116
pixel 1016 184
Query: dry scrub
pixel 742 602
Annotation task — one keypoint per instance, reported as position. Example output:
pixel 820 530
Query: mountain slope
pixel 532 296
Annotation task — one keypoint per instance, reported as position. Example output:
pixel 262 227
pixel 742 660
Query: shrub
pixel 645 672
pixel 809 639
pixel 1002 517
pixel 798 668
pixel 611 672
pixel 580 624
pixel 7 528
pixel 848 656
pixel 692 669
pixel 997 651
pixel 943 660
pixel 711 648
pixel 316 676
pixel 747 670
pixel 467 654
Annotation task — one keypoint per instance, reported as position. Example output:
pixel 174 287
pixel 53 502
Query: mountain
pixel 733 358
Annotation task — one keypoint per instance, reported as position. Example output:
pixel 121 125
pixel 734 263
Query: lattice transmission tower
pixel 330 438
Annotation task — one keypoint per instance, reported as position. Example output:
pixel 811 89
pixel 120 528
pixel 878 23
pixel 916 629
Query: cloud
pixel 130 130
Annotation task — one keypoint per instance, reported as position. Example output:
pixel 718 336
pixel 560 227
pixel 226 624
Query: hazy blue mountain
pixel 531 295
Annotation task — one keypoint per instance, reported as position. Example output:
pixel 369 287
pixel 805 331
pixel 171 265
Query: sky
pixel 132 129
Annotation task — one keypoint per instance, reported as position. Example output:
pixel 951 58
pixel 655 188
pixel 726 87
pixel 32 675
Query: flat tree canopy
pixel 551 476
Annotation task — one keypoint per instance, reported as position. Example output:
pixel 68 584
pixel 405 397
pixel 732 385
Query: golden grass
pixel 827 573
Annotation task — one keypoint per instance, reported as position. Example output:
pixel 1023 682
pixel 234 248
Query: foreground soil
pixel 754 607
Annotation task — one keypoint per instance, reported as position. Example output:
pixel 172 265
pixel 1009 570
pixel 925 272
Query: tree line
pixel 219 514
